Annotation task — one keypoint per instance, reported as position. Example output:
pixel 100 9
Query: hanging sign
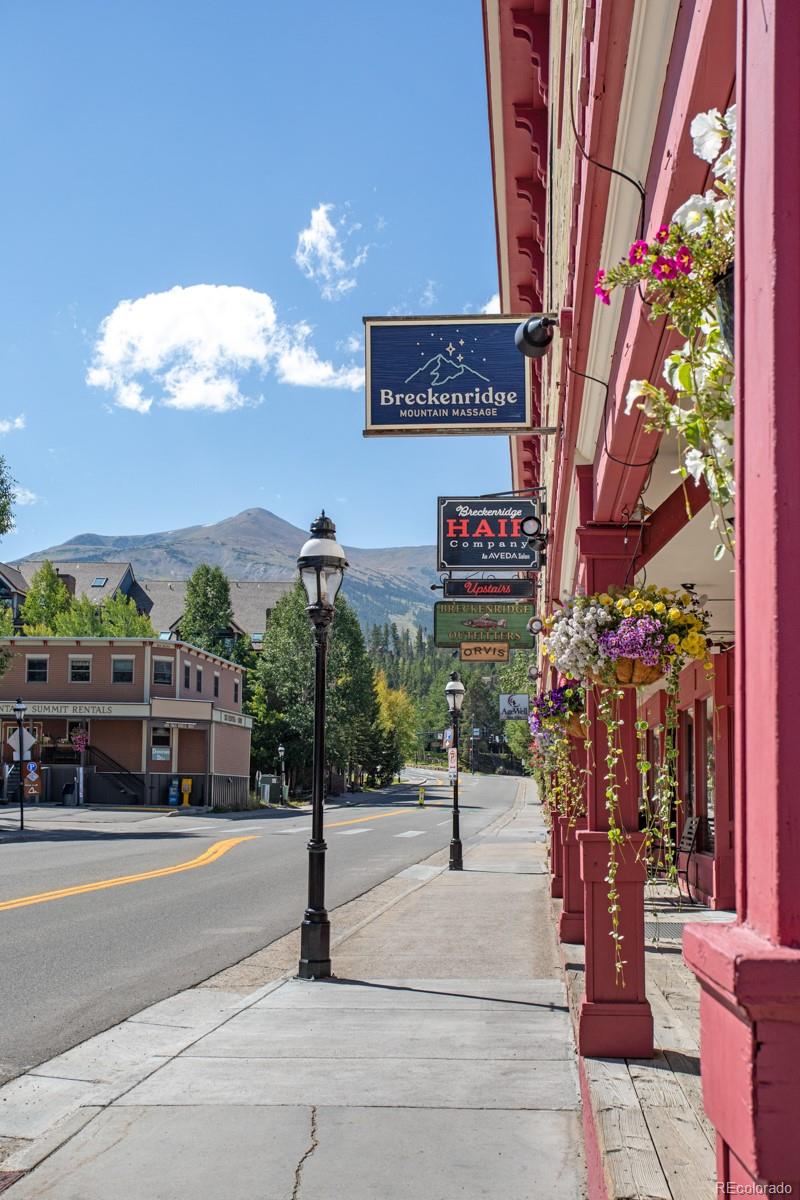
pixel 480 535
pixel 491 589
pixel 457 621
pixel 513 707
pixel 445 375
pixel 483 652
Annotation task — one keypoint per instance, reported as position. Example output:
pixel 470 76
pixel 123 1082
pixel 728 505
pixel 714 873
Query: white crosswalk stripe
pixel 350 832
pixel 411 833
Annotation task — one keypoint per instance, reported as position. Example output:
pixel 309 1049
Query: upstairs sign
pixel 482 535
pixel 445 375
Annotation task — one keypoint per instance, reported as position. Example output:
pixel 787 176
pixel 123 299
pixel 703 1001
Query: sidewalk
pixel 439 1065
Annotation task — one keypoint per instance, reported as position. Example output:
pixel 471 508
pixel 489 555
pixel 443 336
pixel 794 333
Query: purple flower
pixel 635 637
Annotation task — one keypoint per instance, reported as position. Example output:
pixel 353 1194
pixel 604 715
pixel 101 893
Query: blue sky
pixel 200 202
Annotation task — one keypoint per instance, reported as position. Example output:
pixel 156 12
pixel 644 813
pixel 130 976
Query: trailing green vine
pixel 608 714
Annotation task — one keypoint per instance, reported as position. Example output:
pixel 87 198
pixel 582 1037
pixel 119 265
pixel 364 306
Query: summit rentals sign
pixel 445 375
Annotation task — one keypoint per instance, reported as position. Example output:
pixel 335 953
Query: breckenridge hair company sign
pixel 439 375
pixel 483 535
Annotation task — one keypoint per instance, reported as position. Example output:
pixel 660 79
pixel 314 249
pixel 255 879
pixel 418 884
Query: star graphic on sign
pixel 461 341
pixel 450 348
pixel 460 357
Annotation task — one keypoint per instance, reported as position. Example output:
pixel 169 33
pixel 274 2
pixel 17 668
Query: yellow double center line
pixel 209 856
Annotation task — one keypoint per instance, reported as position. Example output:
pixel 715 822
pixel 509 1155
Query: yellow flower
pixel 673 639
pixel 634 593
pixel 674 614
pixel 605 599
pixel 621 603
pixel 648 606
pixel 660 607
pixel 638 606
pixel 627 612
pixel 686 599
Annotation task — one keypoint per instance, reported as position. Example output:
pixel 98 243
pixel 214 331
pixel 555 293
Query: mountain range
pixel 382 585
pixel 440 370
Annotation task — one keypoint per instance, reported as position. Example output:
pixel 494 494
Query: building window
pixel 36 671
pixel 187 676
pixel 199 679
pixel 236 691
pixel 162 671
pixel 80 670
pixel 160 744
pixel 216 683
pixel 122 670
pixel 100 581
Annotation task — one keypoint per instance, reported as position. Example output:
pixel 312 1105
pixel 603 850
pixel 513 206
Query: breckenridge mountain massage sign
pixel 445 375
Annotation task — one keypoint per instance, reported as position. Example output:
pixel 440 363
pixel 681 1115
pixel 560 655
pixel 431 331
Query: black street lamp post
pixel 20 709
pixel 321 564
pixel 454 694
pixel 282 757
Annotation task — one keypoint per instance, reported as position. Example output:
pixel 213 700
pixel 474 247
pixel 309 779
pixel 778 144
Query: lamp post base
pixel 456 856
pixel 315 949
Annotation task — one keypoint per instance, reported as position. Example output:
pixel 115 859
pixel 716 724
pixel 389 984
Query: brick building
pixel 153 711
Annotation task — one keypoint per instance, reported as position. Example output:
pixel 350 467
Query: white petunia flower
pixel 636 389
pixel 693 215
pixel 708 130
pixel 694 462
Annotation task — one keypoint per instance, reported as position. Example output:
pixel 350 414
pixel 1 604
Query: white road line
pixel 412 833
pixel 443 822
pixel 300 829
pixel 351 832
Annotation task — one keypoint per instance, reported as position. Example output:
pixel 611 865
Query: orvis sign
pixel 445 375
pixel 456 622
pixel 479 535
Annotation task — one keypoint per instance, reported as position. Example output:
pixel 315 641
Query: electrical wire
pixel 620 461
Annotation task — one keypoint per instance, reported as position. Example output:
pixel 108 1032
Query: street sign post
pixel 28 741
pixel 32 781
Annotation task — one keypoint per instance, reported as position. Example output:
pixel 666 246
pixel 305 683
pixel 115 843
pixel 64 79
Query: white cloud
pixel 492 305
pixel 428 295
pixel 352 344
pixel 321 253
pixel 190 348
pixel 24 496
pixel 10 426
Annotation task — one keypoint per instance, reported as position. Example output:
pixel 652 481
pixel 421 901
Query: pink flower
pixel 684 260
pixel 599 290
pixel 663 234
pixel 638 253
pixel 664 268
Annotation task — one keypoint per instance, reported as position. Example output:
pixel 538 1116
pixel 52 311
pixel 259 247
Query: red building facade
pixel 590 112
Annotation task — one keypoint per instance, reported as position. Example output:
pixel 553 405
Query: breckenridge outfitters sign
pixel 445 375
pixel 481 535
pixel 458 621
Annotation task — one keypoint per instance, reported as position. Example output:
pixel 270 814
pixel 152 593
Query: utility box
pixel 270 789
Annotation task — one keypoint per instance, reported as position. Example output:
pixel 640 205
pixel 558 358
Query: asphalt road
pixel 74 964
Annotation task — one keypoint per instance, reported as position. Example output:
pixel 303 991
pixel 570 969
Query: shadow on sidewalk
pixel 398 987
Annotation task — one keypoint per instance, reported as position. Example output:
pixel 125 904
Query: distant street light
pixel 454 694
pixel 321 563
pixel 282 757
pixel 20 708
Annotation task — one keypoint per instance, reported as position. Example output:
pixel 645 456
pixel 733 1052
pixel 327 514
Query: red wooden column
pixel 750 971
pixel 570 921
pixel 615 1021
pixel 556 857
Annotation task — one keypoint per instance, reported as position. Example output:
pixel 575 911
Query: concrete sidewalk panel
pixel 130 1049
pixel 200 1009
pixel 364 1154
pixel 176 1154
pixel 368 1082
pixel 463 994
pixel 387 1033
pixel 31 1104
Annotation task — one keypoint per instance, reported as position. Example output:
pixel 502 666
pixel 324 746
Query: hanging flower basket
pixel 724 305
pixel 630 672
pixel 575 726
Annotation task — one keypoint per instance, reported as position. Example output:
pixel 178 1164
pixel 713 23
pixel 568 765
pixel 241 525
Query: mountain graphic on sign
pixel 441 369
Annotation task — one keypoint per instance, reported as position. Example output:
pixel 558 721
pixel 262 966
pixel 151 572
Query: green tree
pixel 208 615
pixel 397 714
pixel 46 600
pixel 82 618
pixel 514 679
pixel 120 617
pixel 7 496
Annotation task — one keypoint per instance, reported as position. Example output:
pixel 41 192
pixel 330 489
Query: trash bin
pixel 68 793
pixel 271 789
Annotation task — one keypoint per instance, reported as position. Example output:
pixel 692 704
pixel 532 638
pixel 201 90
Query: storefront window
pixel 689 765
pixel 160 743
